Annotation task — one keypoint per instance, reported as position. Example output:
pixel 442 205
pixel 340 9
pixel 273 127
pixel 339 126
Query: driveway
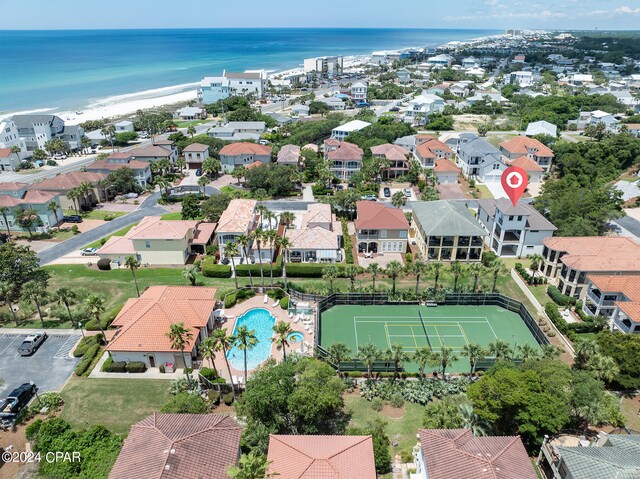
pixel 630 224
pixel 450 192
pixel 496 189
pixel 49 367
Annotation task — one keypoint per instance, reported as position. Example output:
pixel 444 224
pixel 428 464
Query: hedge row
pixel 211 270
pixel 243 269
pixel 348 246
pixel 85 343
pixel 87 358
pixel 527 277
pixel 310 270
pixel 559 298
pixel 554 315
pixel 232 298
pixel 111 366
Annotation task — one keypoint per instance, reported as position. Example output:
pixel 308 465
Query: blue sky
pixel 489 14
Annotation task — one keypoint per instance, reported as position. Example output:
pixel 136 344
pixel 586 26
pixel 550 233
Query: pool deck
pixel 280 315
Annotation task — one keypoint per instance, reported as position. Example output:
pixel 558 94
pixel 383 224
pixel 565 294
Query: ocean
pixel 73 69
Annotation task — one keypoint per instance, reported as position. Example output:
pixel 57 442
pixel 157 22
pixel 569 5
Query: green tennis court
pixel 415 326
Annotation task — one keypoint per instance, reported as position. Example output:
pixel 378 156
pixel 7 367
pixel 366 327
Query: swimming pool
pixel 261 321
pixel 295 337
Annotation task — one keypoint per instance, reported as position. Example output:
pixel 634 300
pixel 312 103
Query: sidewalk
pixel 307 193
pixel 50 331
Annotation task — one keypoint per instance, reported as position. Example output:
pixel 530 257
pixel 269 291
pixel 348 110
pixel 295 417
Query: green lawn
pixel 234 191
pixel 113 403
pixel 96 214
pixel 172 216
pixel 188 123
pixel 122 232
pixel 484 192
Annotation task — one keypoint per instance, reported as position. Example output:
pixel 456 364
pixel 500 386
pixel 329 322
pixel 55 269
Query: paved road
pixel 630 224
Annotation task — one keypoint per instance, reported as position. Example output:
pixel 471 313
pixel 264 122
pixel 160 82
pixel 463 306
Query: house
pixel 458 454
pixel 633 129
pixel 191 113
pixel 442 60
pixel 541 128
pixel 397 157
pixel 481 160
pixel 36 130
pixel 156 241
pixel 617 297
pixel 195 154
pixel 519 58
pixel 568 260
pixel 593 118
pixel 9 160
pixel 318 239
pixel 290 155
pixel 341 132
pixel 63 183
pixel 247 83
pixel 470 62
pixel 124 126
pixel 344 159
pixel 447 231
pixel 324 66
pixel 96 137
pixel 212 89
pixel 123 159
pixel 580 78
pixel 446 171
pixel 167 446
pixel 521 78
pixel 239 130
pixel 439 89
pixel 428 149
pixel 420 107
pixel 484 96
pixel 240 218
pixel 359 92
pixel 531 148
pixel 514 231
pixel 9 137
pixel 326 457
pixel 143 323
pixel 455 140
pixel 614 456
pixel 380 229
pixel 403 75
pixel 242 154
pixel 534 170
pixel 333 103
pixel 73 134
pixel 15 197
pixel 300 110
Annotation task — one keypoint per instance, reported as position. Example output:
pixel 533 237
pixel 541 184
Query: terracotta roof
pixel 196 147
pixel 237 217
pixel 67 181
pixel 317 213
pixel 120 245
pixel 377 216
pixel 345 152
pixel 526 163
pixel 289 154
pixel 244 148
pixel 310 146
pixel 121 155
pixel 428 148
pixel 151 151
pixel 627 284
pixel 253 165
pixel 179 446
pixel 597 253
pixel 203 233
pixel 12 186
pixel 522 145
pixel 144 321
pixel 321 457
pixel 457 454
pixel 446 166
pixel 5 152
pixel 163 142
pixel 154 227
pixel 105 165
pixel 313 238
pixel 390 152
pixel 331 142
pixel 631 309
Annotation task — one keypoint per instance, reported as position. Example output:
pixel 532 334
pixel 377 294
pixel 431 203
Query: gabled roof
pixel 526 163
pixel 151 151
pixel 119 155
pixel 106 165
pixel 196 147
pixel 354 125
pixel 535 219
pixel 179 446
pixel 12 186
pixel 245 148
pixel 597 253
pixel 346 151
pixel 154 227
pixel 163 141
pixel 377 216
pixel 479 147
pixel 446 166
pixel 289 154
pixel 456 453
pixel 317 213
pixel 445 218
pixel 619 458
pixel 321 457
pixel 522 145
pixel 390 152
pixel 117 245
pixel 5 152
pixel 237 217
pixel 67 181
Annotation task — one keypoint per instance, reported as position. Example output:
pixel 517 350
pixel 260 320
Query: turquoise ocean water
pixel 72 69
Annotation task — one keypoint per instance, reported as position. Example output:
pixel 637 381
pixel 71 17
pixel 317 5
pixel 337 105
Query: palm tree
pixel 163 184
pixel 284 244
pixel 475 353
pixel 245 340
pixel 281 332
pixel 338 353
pixel 244 241
pixel 231 250
pixel 251 466
pixel 351 271
pixel 53 207
pixel 444 358
pixel 190 274
pixel 133 264
pixel 27 218
pixel 35 292
pixel 4 211
pixel 208 351
pixel 191 130
pixel 108 132
pixel 417 268
pixel 86 189
pixel 528 352
pixel 422 356
pixel 64 296
pixel 456 270
pixel 374 269
pixel 498 269
pixel 270 236
pixel 436 269
pixel 96 307
pixel 179 337
pixel 536 261
pixel 604 367
pixel 394 269
pixel 181 163
pixel 258 237
pixel 238 173
pixel 224 343
pixel 6 292
pixel 287 218
pixel 585 350
pixel 85 143
pixel 499 349
pixel 549 351
pixel 470 420
pixel 476 269
pixel 329 273
pixel 203 181
pixel 397 355
pixel 74 194
pixel 368 354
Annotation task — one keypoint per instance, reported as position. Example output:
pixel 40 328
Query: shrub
pixel 211 270
pixel 377 404
pixel 397 400
pixel 228 399
pixel 309 270
pixel 208 373
pixel 185 403
pixel 92 324
pixel 88 357
pixel 117 367
pixel 32 429
pixel 161 368
pixel 136 367
pixel 488 257
pixel 109 217
pixel 244 293
pixel 242 270
pixel 230 300
pixel 552 311
pixel 106 366
pixel 284 302
pixel 75 230
pixel 348 246
pixel 559 298
pixel 104 264
pixel 408 257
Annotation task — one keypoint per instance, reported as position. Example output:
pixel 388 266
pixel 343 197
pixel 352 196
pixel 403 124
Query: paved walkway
pixel 49 331
pixel 151 373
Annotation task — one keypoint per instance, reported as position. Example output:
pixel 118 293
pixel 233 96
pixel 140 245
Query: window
pixel 519 218
pixel 403 234
pixel 147 244
pixel 510 217
pixel 383 233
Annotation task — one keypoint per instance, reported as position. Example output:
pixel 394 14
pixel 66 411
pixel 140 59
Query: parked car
pixel 89 251
pixel 369 197
pixel 131 196
pixel 394 108
pixel 59 156
pixel 72 219
pixel 198 172
pixel 15 402
pixel 407 192
pixel 31 343
pixel 387 192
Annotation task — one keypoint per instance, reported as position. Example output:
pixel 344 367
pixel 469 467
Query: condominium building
pixel 616 297
pixel 325 66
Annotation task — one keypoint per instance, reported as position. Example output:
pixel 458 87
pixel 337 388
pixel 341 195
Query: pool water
pixel 295 337
pixel 261 322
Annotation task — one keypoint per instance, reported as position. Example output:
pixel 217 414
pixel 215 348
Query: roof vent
pixel 166 466
pixel 172 451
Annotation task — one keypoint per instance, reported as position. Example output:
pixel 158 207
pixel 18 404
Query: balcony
pixel 511 237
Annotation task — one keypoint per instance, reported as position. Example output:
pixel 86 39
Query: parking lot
pixel 49 367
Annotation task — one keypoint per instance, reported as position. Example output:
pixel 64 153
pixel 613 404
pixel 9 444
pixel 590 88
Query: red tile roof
pixel 374 216
pixel 244 148
pixel 196 147
pixel 179 446
pixel 29 198
pixel 154 227
pixel 67 181
pixel 522 145
pixel 12 186
pixel 526 163
pixel 121 155
pixel 631 309
pixel 345 152
pixel 597 253
pixel 457 454
pixel 446 166
pixel 105 165
pixel 628 284
pixel 428 148
pixel 390 152
pixel 321 457
pixel 5 152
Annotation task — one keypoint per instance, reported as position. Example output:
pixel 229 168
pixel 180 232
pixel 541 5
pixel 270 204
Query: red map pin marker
pixel 514 181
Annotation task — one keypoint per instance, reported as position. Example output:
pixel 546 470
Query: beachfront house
pixel 63 183
pixel 17 198
pixel 247 83
pixel 36 130
pixel 9 160
pixel 341 132
pixel 212 89
pixel 191 113
pixel 124 126
pixel 397 158
pixel 243 154
pixel 616 297
pixel 240 218
pixel 195 154
pixel 9 137
pixel 380 229
pixel 318 239
pixel 123 159
pixel 481 160
pixel 344 158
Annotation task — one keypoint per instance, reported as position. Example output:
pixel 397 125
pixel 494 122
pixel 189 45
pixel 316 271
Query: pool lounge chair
pixel 266 299
pixel 275 304
pixel 297 318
